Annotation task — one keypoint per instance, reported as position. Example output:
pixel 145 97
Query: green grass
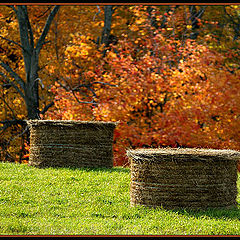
pixel 64 201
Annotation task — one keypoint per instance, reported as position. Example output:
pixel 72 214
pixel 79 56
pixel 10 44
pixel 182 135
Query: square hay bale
pixel 183 178
pixel 71 143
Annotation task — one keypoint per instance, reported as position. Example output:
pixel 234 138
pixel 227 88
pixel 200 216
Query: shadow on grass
pixel 114 169
pixel 87 169
pixel 103 169
pixel 213 213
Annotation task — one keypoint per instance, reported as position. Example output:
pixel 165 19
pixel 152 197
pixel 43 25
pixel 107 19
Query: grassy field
pixel 66 201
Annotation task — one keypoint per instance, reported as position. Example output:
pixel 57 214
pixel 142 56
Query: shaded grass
pixel 69 201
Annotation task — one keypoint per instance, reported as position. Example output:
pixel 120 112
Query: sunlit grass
pixel 65 201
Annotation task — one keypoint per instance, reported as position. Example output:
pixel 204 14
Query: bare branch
pixel 19 135
pixel 9 123
pixel 13 85
pixel 11 41
pixel 76 89
pixel 40 80
pixel 41 40
pixel 88 86
pixel 15 10
pixel 46 108
pixel 196 14
pixel 91 102
pixel 56 37
pixel 42 14
pixel 14 116
pixel 45 42
pixel 13 74
pixel 99 10
pixel 201 11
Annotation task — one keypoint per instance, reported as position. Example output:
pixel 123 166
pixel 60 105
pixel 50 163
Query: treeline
pixel 169 74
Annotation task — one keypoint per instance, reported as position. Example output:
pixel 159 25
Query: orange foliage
pixel 170 92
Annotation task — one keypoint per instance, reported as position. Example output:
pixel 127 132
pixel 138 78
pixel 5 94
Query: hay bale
pixel 183 178
pixel 71 143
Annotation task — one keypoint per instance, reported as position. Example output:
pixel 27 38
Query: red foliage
pixel 169 93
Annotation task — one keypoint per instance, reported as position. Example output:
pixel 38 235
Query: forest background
pixel 168 74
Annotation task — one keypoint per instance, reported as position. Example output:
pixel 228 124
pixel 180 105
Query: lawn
pixel 67 201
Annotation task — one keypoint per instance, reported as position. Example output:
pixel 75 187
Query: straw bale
pixel 183 177
pixel 71 143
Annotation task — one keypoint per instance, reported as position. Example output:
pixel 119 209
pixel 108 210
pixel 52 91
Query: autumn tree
pixel 74 70
pixel 20 70
pixel 170 75
pixel 28 87
pixel 159 70
pixel 25 72
pixel 171 92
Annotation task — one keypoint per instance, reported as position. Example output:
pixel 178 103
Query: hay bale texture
pixel 183 178
pixel 71 143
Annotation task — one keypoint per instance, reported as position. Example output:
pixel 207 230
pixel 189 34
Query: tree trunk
pixel 31 58
pixel 108 11
pixel 31 89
